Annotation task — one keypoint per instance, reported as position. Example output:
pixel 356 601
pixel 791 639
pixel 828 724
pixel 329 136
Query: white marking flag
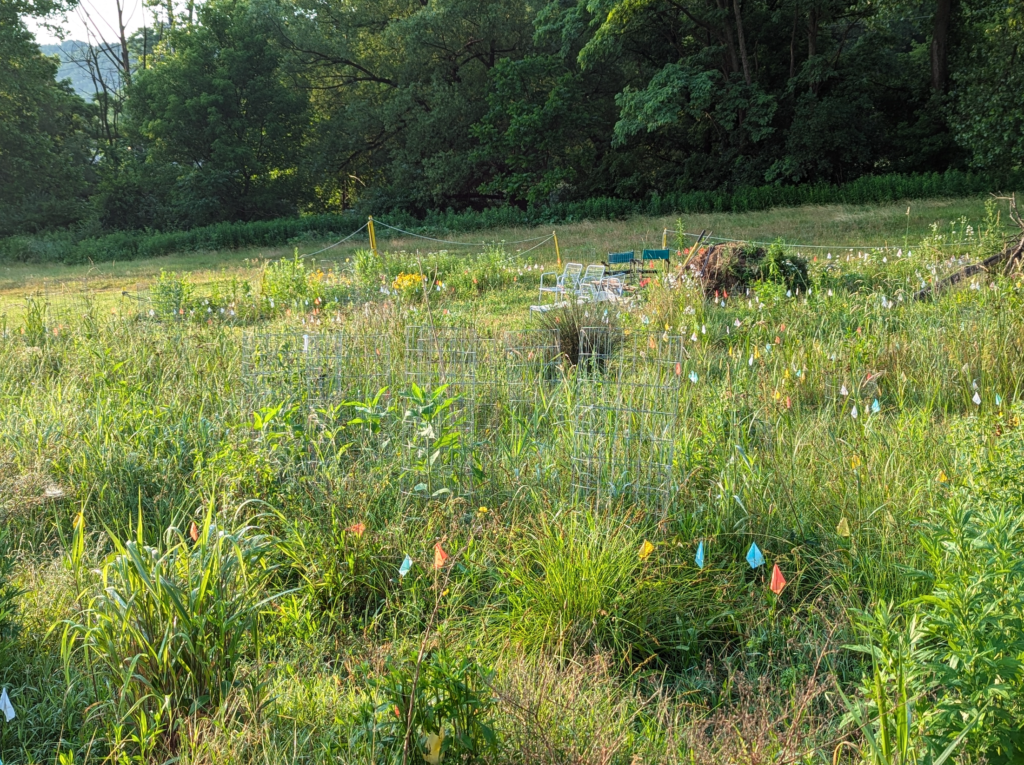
pixel 6 706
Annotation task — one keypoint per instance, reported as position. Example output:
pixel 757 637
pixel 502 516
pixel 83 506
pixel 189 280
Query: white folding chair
pixel 566 282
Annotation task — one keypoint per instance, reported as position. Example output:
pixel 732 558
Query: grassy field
pixel 243 520
pixel 587 241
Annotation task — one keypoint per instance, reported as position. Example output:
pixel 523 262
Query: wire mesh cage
pixel 439 422
pixel 624 416
pixel 291 367
pixel 531 361
pixel 292 389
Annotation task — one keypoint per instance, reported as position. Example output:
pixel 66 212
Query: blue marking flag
pixel 699 557
pixel 754 556
pixel 406 565
pixel 875 407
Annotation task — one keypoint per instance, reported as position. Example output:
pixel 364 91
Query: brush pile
pixel 722 268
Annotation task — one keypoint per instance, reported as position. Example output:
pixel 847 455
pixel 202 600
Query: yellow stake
pixel 557 253
pixel 373 236
pixel 664 239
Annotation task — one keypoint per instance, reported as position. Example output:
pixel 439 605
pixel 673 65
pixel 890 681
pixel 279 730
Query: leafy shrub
pixel 957 667
pixel 171 295
pixel 782 268
pixel 448 702
pixel 285 280
pixel 167 628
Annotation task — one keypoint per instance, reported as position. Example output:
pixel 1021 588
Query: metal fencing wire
pixel 624 417
pixel 439 423
pixel 291 385
pixel 531 362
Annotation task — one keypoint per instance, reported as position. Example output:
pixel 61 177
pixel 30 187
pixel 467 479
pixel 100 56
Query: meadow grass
pixel 588 241
pixel 207 533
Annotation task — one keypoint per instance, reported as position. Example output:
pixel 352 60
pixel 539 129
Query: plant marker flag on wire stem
pixel 406 565
pixel 6 706
pixel 754 556
pixel 440 556
pixel 646 549
pixel 699 557
pixel 778 580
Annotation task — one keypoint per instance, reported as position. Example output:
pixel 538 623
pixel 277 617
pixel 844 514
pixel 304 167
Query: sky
pixel 96 16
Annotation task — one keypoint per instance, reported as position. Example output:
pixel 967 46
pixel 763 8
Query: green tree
pixel 45 155
pixel 398 86
pixel 988 84
pixel 218 104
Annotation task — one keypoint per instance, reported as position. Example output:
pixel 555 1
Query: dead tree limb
pixel 1011 257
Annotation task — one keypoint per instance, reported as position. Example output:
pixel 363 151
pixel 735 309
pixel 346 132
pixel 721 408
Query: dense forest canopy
pixel 252 109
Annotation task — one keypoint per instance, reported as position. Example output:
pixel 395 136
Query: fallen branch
pixel 1012 256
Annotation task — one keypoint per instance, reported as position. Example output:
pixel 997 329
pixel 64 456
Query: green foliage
pixel 433 441
pixel 171 295
pixel 987 112
pixel 8 594
pixel 45 156
pixel 284 280
pixel 782 267
pixel 220 108
pixel 435 694
pixel 957 663
pixel 166 628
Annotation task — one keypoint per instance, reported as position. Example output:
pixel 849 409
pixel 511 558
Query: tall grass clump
pixel 566 325
pixel 582 584
pixel 166 629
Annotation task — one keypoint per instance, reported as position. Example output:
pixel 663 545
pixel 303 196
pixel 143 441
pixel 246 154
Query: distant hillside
pixel 73 55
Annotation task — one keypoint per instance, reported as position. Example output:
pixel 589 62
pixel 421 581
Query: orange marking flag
pixel 778 580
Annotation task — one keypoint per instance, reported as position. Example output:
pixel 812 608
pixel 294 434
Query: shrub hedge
pixel 67 248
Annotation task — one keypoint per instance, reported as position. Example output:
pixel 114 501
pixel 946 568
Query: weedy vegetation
pixel 208 554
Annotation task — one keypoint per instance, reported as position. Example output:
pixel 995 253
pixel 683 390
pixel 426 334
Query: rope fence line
pixel 340 241
pixel 542 240
pixel 837 247
pixel 545 241
pixel 461 244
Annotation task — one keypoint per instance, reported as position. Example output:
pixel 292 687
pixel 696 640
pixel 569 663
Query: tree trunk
pixel 741 39
pixel 126 62
pixel 812 41
pixel 730 45
pixel 940 44
pixel 792 50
